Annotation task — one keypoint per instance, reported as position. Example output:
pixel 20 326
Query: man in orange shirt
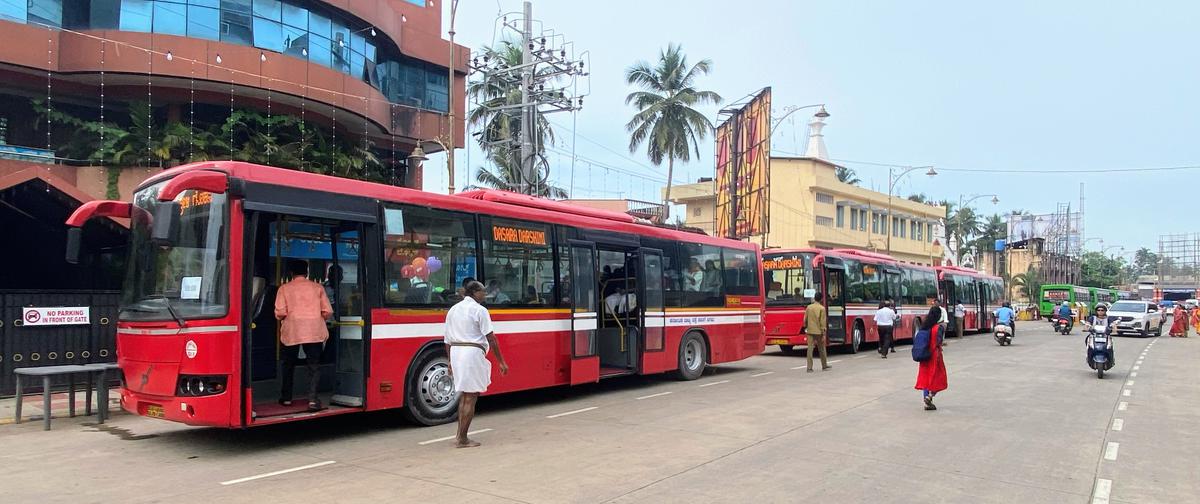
pixel 302 308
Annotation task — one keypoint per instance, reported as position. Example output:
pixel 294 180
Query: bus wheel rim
pixel 691 355
pixel 437 387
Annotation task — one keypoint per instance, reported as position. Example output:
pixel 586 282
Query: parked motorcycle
pixel 1003 334
pixel 1100 350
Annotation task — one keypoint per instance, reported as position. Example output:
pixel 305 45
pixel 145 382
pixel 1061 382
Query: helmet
pixel 1066 303
pixel 1007 305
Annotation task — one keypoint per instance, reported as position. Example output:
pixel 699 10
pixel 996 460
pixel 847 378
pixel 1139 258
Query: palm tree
pixel 506 176
pixel 666 120
pixel 962 225
pixel 1028 284
pixel 501 128
pixel 848 176
pixel 919 198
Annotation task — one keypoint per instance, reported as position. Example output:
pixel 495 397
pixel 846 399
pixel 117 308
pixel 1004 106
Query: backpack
pixel 920 346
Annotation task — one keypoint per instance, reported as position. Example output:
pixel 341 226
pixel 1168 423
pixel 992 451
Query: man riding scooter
pixel 1064 313
pixel 1006 316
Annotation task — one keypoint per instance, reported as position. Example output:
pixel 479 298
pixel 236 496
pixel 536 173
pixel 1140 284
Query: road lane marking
pixel 800 367
pixel 660 394
pixel 1133 374
pixel 1103 489
pixel 1135 368
pixel 573 412
pixel 1126 392
pixel 1123 406
pixel 837 361
pixel 1118 424
pixel 714 383
pixel 277 473
pixel 762 374
pixel 1110 451
pixel 447 438
pixel 1129 383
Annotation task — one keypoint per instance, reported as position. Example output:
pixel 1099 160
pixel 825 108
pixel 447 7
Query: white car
pixel 1141 317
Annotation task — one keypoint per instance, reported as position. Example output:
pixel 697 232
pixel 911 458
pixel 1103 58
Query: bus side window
pixel 427 254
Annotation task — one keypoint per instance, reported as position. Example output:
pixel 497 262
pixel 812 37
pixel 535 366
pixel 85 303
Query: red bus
pixel 980 295
pixel 855 282
pixel 576 294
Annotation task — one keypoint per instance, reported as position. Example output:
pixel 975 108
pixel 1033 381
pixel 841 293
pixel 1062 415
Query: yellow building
pixel 811 208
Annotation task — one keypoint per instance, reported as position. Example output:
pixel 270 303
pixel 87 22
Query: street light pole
pixel 892 179
pixel 958 222
pixel 450 89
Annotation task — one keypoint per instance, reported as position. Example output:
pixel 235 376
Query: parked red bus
pixel 855 282
pixel 980 295
pixel 576 294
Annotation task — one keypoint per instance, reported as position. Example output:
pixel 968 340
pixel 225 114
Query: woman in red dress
pixel 1179 322
pixel 931 374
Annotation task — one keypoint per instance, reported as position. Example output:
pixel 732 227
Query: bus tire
pixel 856 337
pixel 430 398
pixel 692 352
pixel 787 349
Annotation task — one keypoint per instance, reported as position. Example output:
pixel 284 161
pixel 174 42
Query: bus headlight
pixel 200 385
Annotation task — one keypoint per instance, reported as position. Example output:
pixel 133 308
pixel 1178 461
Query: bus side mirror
pixel 166 223
pixel 74 240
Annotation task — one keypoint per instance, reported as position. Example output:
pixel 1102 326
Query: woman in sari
pixel 1179 322
pixel 931 373
pixel 1195 320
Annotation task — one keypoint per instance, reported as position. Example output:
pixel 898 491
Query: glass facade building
pixel 304 30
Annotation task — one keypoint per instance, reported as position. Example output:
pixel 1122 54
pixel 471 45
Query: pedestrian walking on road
pixel 302 307
pixel 815 323
pixel 1179 322
pixel 931 372
pixel 885 319
pixel 960 315
pixel 468 338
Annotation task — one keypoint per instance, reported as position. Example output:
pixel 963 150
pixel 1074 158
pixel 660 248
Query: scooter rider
pixel 1064 312
pixel 1005 315
pixel 1100 321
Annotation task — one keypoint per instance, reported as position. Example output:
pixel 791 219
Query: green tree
pixel 962 225
pixel 847 175
pixel 992 229
pixel 507 176
pixel 1099 270
pixel 1145 262
pixel 667 121
pixel 1027 284
pixel 919 197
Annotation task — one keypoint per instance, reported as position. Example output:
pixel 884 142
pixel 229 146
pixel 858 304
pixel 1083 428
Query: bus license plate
pixel 777 342
pixel 155 411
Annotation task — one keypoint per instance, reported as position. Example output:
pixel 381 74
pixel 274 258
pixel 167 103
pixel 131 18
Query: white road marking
pixel 277 473
pixel 573 412
pixel 447 438
pixel 1103 489
pixel 800 367
pixel 762 374
pixel 1129 383
pixel 1122 406
pixel 1118 424
pixel 1133 374
pixel 837 361
pixel 1126 392
pixel 714 383
pixel 1135 368
pixel 1110 451
pixel 660 394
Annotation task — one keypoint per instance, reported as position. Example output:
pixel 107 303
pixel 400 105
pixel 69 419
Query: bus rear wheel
pixel 692 352
pixel 431 398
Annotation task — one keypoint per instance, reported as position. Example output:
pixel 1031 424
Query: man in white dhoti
pixel 468 337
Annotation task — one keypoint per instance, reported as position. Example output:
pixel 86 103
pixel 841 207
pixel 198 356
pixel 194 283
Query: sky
pixel 1038 88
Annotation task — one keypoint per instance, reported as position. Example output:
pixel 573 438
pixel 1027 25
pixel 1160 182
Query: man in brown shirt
pixel 815 322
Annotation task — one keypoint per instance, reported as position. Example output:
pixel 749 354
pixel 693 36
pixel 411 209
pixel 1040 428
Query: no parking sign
pixel 68 315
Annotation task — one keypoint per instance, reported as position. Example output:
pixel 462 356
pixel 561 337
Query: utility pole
pixel 450 84
pixel 528 108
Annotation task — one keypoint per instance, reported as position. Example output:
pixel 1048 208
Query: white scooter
pixel 1003 334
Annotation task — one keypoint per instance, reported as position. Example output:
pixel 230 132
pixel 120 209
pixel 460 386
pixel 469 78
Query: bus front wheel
pixel 431 398
pixel 856 338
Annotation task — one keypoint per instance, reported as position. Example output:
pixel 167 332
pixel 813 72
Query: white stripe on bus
pixel 437 329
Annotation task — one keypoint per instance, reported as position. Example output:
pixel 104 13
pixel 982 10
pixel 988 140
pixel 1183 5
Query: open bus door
pixel 835 300
pixel 585 363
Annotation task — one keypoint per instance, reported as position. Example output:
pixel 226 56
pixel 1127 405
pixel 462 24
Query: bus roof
pixel 498 203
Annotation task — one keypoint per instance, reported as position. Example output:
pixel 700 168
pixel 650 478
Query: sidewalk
pixel 31 407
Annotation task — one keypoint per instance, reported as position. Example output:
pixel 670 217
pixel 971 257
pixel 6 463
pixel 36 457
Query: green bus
pixel 1053 295
pixel 1106 296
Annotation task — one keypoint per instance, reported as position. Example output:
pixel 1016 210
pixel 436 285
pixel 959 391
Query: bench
pixel 97 375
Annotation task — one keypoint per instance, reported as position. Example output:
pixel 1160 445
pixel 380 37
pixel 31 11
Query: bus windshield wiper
pixel 170 308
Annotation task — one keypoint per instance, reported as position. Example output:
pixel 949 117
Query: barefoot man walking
pixel 468 337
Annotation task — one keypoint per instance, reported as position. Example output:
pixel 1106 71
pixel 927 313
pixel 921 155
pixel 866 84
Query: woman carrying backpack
pixel 927 351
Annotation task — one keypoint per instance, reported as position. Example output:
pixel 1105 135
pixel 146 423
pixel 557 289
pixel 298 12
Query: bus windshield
pixel 188 279
pixel 787 277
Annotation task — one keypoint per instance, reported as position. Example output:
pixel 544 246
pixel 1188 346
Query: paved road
pixel 1028 423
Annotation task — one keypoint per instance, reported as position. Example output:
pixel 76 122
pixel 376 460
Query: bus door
pixel 348 329
pixel 585 363
pixel 835 301
pixel 653 311
pixel 891 290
